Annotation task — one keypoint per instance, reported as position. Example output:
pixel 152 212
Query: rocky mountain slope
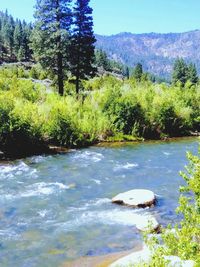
pixel 156 52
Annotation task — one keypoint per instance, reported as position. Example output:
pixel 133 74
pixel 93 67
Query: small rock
pixel 137 198
pixel 149 223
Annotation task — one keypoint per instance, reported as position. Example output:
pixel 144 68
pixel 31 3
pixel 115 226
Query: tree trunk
pixel 77 85
pixel 59 54
pixel 60 75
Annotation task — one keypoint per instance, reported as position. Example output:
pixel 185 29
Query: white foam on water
pixel 108 217
pixel 167 153
pixel 98 203
pixel 89 155
pixel 97 181
pixel 14 168
pixel 44 189
pixel 126 166
pixel 42 213
pixel 11 171
pixel 38 189
pixel 8 234
pixel 113 217
pixel 60 185
pixel 38 159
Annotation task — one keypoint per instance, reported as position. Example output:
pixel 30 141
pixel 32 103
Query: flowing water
pixel 57 208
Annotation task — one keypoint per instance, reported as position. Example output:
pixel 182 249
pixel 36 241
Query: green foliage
pixel 6 106
pixel 137 72
pixel 126 115
pixel 109 109
pixel 183 72
pixel 60 127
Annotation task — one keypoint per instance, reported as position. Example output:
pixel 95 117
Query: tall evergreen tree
pixel 26 34
pixel 138 71
pixel 17 38
pixel 49 39
pixel 82 51
pixel 127 72
pixel 192 73
pixel 180 71
pixel 1 48
pixel 101 60
pixel 8 32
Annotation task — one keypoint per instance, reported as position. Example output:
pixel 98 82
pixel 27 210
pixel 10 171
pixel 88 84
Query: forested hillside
pixel 14 39
pixel 156 52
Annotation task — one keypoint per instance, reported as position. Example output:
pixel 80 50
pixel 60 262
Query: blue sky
pixel 136 16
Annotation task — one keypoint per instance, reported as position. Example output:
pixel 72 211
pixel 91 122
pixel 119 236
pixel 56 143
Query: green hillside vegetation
pixel 108 109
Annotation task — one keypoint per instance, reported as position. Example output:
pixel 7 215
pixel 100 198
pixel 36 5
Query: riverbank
pixel 99 261
pixel 53 149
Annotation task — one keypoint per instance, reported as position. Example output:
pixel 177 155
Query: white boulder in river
pixel 137 198
pixel 148 223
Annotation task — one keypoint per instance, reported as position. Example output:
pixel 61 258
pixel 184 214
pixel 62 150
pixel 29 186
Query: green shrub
pixel 6 106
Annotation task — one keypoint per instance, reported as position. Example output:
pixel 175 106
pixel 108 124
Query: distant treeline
pixel 14 39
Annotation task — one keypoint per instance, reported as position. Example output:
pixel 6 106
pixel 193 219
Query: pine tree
pixel 138 72
pixel 26 34
pixel 82 50
pixel 1 48
pixel 127 72
pixel 192 74
pixel 101 60
pixel 180 71
pixel 49 39
pixel 7 33
pixel 17 38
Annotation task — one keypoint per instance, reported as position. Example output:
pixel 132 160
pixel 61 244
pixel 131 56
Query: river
pixel 57 208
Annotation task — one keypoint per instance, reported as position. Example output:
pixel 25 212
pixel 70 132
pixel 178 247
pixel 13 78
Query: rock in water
pixel 148 223
pixel 137 198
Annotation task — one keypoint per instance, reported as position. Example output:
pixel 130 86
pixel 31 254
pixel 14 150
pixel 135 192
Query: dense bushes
pixel 107 109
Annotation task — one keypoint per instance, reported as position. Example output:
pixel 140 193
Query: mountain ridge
pixel 156 51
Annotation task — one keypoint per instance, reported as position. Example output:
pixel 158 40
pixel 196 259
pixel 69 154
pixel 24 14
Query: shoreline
pixel 54 150
pixel 99 261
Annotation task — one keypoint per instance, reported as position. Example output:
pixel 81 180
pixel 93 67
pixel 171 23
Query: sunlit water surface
pixel 56 208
